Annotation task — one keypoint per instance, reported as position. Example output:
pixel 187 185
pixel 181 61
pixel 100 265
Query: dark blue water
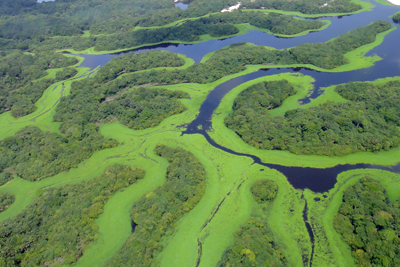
pixel 318 180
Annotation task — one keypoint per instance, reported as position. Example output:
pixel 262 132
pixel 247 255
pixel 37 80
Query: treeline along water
pixel 318 180
pixel 340 25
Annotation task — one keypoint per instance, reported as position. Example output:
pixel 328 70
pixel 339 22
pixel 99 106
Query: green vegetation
pixel 173 208
pixel 18 72
pixel 98 99
pixel 27 24
pixel 142 108
pixel 59 224
pixel 217 25
pixel 368 223
pixel 254 242
pixel 396 18
pixel 155 215
pixel 6 199
pixel 136 62
pixel 368 123
pixel 5 176
pixel 264 190
pixel 34 155
pixel 305 6
pixel 139 109
pixel 66 74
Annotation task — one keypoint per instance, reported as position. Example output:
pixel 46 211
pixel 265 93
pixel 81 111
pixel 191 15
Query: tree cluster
pixel 136 62
pixel 95 99
pixel 305 6
pixel 5 176
pixel 369 224
pixel 396 18
pixel 254 243
pixel 368 122
pixel 34 155
pixel 6 199
pixel 155 214
pixel 20 83
pixel 59 224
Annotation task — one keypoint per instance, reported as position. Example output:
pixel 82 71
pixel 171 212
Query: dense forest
pixel 34 155
pixel 369 224
pixel 18 74
pixel 136 62
pixel 142 108
pixel 28 21
pixel 367 123
pixel 305 6
pixel 254 243
pixel 215 25
pixel 139 108
pixel 5 176
pixel 156 214
pixel 59 224
pixel 6 199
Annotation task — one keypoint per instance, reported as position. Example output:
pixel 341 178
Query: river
pixel 317 180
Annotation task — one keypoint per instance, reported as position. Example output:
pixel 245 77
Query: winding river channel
pixel 299 177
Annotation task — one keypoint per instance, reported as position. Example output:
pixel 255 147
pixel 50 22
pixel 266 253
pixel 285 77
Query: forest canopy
pixel 22 80
pixel 396 18
pixel 34 155
pixel 59 224
pixel 6 199
pixel 305 6
pixel 368 122
pixel 369 223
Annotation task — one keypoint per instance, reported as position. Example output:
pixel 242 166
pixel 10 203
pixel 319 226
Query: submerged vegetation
pixel 59 224
pixel 254 243
pixel 156 214
pixel 369 224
